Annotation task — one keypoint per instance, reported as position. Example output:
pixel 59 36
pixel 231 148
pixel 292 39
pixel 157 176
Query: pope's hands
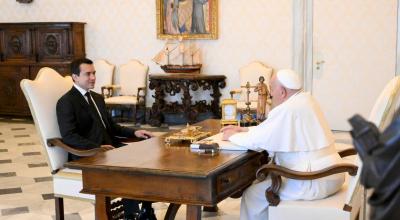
pixel 227 134
pixel 230 130
pixel 143 134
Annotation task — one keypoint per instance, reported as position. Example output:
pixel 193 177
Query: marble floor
pixel 26 182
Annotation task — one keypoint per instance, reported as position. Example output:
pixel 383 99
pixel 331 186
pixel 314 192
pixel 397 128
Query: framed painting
pixel 187 19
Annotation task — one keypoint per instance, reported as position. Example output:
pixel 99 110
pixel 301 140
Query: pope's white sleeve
pixel 248 139
pixel 266 135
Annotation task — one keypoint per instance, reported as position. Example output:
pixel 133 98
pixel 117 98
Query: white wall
pixel 119 30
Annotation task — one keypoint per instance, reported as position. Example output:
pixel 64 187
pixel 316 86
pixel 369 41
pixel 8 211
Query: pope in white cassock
pixel 297 133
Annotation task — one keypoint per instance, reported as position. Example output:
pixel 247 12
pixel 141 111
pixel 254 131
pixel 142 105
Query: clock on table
pixel 229 111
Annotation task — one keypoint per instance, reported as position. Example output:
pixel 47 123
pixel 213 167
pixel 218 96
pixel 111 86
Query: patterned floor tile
pixel 43 179
pixel 14 211
pixel 26 144
pixel 10 190
pixel 48 196
pixel 21 135
pixel 31 153
pixel 33 165
pixel 17 129
pixel 5 161
pixel 9 174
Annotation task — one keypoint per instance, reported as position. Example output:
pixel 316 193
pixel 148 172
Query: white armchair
pixel 251 73
pixel 104 76
pixel 346 203
pixel 132 88
pixel 42 95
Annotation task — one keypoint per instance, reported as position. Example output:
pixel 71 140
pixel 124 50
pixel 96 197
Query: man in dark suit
pixel 85 124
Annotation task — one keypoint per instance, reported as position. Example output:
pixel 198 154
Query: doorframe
pixel 302 60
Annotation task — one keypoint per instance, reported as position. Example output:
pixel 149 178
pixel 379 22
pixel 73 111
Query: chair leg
pixel 144 113
pixel 134 114
pixel 59 204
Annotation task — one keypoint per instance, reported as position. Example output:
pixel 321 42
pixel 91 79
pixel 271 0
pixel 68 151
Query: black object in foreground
pixel 380 153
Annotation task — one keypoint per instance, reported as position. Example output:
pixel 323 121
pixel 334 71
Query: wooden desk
pixel 175 83
pixel 149 170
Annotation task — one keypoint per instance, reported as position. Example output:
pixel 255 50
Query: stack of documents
pixel 223 145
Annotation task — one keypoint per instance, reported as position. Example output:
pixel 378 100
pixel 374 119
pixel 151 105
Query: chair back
pixel 381 114
pixel 42 95
pixel 386 104
pixel 104 74
pixel 251 73
pixel 132 76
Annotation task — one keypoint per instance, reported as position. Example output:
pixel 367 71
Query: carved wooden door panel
pixel 11 97
pixel 17 44
pixel 52 44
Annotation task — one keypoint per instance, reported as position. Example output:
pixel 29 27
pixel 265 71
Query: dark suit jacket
pixel 80 125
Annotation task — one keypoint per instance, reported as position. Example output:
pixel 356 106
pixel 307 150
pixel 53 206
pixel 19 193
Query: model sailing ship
pixel 177 57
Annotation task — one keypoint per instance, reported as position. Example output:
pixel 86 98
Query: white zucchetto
pixel 289 79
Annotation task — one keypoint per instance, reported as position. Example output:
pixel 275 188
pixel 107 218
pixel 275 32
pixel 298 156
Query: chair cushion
pixel 330 208
pixel 68 183
pixel 121 100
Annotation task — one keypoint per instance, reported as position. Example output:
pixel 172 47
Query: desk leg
pixel 193 212
pixel 101 207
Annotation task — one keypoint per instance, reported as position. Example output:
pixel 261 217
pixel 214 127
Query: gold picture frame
pixel 178 23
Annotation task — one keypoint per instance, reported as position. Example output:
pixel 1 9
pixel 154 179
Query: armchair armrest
pixel 347 152
pixel 57 142
pixel 110 90
pixel 277 172
pixel 128 140
pixel 141 96
pixel 235 91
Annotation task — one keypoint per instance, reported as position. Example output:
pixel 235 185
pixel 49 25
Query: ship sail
pixel 179 54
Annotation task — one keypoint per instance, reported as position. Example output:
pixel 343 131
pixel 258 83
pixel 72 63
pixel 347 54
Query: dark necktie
pixel 106 139
pixel 94 107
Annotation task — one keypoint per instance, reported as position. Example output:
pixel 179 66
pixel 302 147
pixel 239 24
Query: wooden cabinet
pixel 27 47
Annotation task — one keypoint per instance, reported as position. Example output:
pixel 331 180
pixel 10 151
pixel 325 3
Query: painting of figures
pixel 188 19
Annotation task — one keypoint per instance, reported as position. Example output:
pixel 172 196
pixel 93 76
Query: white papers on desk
pixel 223 145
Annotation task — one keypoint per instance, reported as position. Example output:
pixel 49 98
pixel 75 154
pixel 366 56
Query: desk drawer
pixel 237 177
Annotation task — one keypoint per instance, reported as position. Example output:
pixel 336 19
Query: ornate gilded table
pixel 173 84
